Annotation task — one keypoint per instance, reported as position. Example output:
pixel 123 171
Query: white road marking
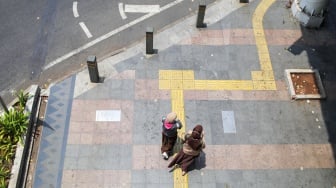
pixel 108 35
pixel 121 11
pixel 85 29
pixel 142 8
pixel 74 9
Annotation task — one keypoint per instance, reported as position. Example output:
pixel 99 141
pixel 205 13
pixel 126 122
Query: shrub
pixel 13 126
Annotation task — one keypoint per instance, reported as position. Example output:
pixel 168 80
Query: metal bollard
pixel 149 40
pixel 93 68
pixel 200 16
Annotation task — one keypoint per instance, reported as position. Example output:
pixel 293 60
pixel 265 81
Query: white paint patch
pixel 74 9
pixel 121 11
pixel 142 8
pixel 108 35
pixel 229 125
pixel 108 115
pixel 85 29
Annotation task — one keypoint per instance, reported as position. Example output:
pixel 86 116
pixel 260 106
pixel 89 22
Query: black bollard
pixel 149 40
pixel 3 105
pixel 200 16
pixel 243 1
pixel 93 68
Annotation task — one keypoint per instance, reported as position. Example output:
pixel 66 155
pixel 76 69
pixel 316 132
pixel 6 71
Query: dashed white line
pixel 121 11
pixel 85 29
pixel 74 9
pixel 108 35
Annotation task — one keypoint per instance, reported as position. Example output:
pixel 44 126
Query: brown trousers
pixel 168 144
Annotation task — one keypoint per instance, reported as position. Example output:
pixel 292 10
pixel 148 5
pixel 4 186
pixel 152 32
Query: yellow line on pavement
pixel 178 107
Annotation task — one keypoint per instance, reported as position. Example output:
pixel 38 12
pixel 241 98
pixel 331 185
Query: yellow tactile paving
pixel 164 84
pixel 165 74
pixel 262 75
pixel 177 75
pixel 178 107
pixel 176 84
pixel 261 43
pixel 188 75
pixel 188 84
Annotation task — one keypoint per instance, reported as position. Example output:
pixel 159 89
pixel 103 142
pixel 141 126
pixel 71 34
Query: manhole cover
pixel 305 84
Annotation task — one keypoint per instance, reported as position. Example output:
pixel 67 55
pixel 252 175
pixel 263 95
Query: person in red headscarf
pixel 170 124
pixel 192 147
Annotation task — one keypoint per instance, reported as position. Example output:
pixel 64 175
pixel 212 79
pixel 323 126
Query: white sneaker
pixel 165 155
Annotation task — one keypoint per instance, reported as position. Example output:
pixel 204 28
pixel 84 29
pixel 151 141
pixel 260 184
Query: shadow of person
pixel 199 162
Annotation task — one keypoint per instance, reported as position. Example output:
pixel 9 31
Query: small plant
pixel 22 97
pixel 4 176
pixel 14 125
pixel 7 150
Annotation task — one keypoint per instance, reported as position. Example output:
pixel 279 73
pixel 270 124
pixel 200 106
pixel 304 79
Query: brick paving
pixel 278 142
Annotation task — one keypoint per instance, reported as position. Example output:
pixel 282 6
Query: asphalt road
pixel 44 41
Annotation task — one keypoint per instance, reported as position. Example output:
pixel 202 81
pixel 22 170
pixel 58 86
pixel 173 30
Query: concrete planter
pixel 22 154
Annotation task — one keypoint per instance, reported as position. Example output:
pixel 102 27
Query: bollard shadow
pixel 155 51
pixel 101 79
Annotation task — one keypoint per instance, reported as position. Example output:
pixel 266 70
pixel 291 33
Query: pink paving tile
pixel 139 163
pixel 269 156
pixel 247 156
pixel 69 185
pixel 139 151
pixel 89 176
pixel 152 84
pixel 74 126
pixel 69 176
pixel 214 41
pixel 86 138
pixel 116 176
pixel 238 95
pixel 103 127
pixel 195 95
pixel 89 185
pixel 81 115
pixel 219 95
pixel 215 33
pixel 74 138
pixel 78 127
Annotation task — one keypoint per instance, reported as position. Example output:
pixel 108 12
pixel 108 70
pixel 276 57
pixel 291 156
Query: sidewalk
pixel 225 77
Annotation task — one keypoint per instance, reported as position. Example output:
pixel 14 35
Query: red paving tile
pixel 96 178
pixel 85 130
pixel 289 156
pixel 246 37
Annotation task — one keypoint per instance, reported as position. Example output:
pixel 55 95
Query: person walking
pixel 170 124
pixel 193 145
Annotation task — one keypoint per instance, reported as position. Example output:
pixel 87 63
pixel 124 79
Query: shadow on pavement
pixel 320 46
